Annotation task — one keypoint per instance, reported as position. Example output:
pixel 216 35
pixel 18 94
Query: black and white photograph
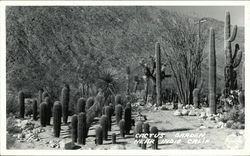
pixel 124 77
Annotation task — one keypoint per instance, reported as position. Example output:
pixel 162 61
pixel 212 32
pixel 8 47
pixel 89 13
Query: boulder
pixel 177 113
pixel 192 113
pixel 67 145
pixel 184 112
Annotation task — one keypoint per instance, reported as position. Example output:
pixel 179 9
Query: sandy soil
pixel 173 127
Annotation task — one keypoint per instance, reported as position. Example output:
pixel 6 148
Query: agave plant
pixel 107 81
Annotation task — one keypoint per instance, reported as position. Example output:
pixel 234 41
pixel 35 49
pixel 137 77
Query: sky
pixel 217 12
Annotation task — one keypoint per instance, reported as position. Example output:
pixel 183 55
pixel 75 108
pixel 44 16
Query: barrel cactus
pixel 104 124
pixel 57 115
pixel 138 130
pixel 146 128
pixel 113 136
pixel 43 114
pixel 82 128
pixel 108 113
pixel 118 99
pixel 40 96
pixel 90 101
pixel 21 104
pixel 34 108
pixel 154 131
pixel 81 105
pixel 74 123
pixel 118 113
pixel 44 95
pixel 127 118
pixel 65 103
pixel 122 128
pixel 99 135
pixel 49 104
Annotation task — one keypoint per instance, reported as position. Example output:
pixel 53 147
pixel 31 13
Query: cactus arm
pixel 233 35
pixel 237 60
pixel 236 49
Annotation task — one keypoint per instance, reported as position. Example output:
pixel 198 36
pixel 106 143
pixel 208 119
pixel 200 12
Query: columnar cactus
pixel 104 124
pixel 212 73
pixel 138 130
pixel 40 96
pixel 113 138
pixel 99 133
pixel 49 107
pixel 232 60
pixel 118 113
pixel 127 118
pixel 158 73
pixel 34 107
pixel 196 92
pixel 82 128
pixel 90 101
pixel 43 114
pixel 21 104
pixel 136 82
pixel 65 103
pixel 154 131
pixel 242 99
pixel 122 128
pixel 74 123
pixel 57 115
pixel 146 128
pixel 81 105
pixel 128 80
pixel 109 112
pixel 118 99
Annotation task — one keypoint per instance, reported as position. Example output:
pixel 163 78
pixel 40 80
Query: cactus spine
pixel 74 123
pixel 127 118
pixel 81 105
pixel 212 73
pixel 158 73
pixel 43 114
pixel 99 133
pixel 82 128
pixel 122 128
pixel 21 104
pixel 154 131
pixel 118 113
pixel 57 115
pixel 65 103
pixel 232 60
pixel 34 107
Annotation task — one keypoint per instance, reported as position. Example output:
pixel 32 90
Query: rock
pixel 177 113
pixel 67 145
pixel 229 123
pixel 164 108
pixel 211 118
pixel 180 106
pixel 217 119
pixel 184 112
pixel 203 115
pixel 192 113
pixel 203 127
pixel 117 147
pixel 233 141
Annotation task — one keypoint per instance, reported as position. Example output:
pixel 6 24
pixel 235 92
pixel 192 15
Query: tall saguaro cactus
pixel 158 73
pixel 232 59
pixel 212 73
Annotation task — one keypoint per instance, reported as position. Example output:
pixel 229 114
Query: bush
pixel 11 105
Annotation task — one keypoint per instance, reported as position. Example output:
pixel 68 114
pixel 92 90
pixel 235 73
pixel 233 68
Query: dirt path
pixel 181 132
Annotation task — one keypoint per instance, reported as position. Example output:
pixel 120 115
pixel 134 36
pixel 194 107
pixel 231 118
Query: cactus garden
pixel 117 78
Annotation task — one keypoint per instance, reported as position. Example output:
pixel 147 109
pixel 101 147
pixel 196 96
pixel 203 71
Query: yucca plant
pixel 107 81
